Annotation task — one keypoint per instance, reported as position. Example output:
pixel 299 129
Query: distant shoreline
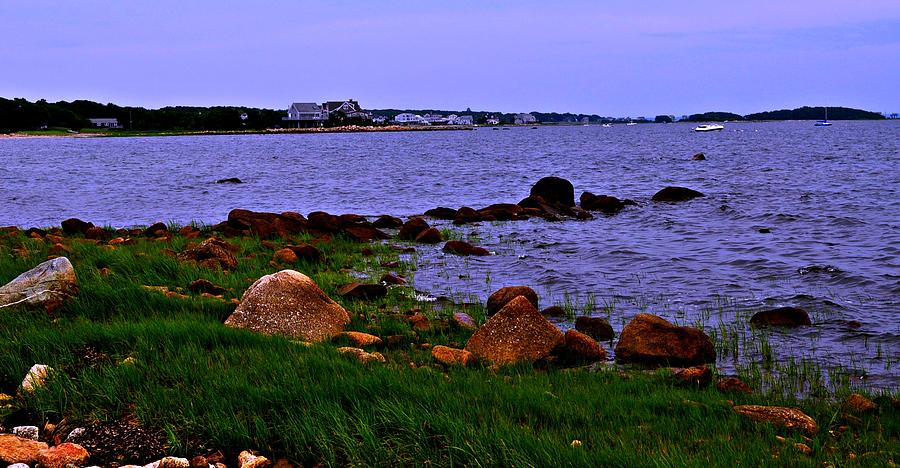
pixel 270 131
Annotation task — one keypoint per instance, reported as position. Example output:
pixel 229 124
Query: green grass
pixel 207 385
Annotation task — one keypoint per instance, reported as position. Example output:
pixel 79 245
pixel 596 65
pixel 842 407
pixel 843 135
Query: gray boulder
pixel 47 286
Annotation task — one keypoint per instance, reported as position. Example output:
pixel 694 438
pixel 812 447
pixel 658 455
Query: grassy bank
pixel 209 387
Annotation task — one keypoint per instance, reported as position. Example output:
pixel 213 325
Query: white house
pixel 492 121
pixel 435 118
pixel 350 108
pixel 525 119
pixel 465 120
pixel 407 118
pixel 379 119
pixel 105 123
pixel 308 113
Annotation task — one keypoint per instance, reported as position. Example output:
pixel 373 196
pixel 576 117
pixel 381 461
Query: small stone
pixel 732 385
pixel 361 355
pixel 699 157
pixel 389 278
pixel 75 435
pixel 451 356
pixel 26 432
pixel 860 404
pixel 694 376
pixel 597 328
pixel 174 462
pixel 248 460
pixel 503 296
pixel 464 320
pixel 803 448
pixel 362 340
pixel 36 377
pixel 576 443
pixel 63 455
pixel 555 311
pixel 199 462
pixel 363 291
pixel 285 256
pixel 580 348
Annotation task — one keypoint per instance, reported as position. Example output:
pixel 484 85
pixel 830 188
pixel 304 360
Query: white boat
pixel 606 125
pixel 824 123
pixel 631 123
pixel 709 128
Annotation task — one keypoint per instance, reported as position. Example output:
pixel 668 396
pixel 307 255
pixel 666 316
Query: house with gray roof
pixel 306 114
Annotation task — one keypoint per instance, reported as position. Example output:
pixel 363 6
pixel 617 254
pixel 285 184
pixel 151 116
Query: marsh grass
pixel 206 385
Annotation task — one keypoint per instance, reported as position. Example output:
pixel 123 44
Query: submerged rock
pixel 603 203
pixel 412 228
pixel 503 296
pixel 676 194
pixel 699 157
pixel 289 303
pixel 47 286
pixel 430 236
pixel 555 190
pixel 781 317
pixel 790 418
pixel 649 339
pixel 230 180
pixel 464 248
pixel 518 332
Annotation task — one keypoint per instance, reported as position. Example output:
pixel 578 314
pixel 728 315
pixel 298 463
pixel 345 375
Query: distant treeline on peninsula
pixel 20 114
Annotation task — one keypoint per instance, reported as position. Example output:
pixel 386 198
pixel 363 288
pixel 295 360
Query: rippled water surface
pixel 829 196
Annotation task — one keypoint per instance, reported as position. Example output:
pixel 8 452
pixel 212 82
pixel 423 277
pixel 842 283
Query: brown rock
pixel 732 385
pixel 556 311
pixel 361 340
pixel 860 404
pixel 289 303
pixel 387 222
pixel 96 233
pixel 15 449
pixel 285 256
pixel 213 253
pixel 517 332
pixel 429 236
pixel 803 448
pixel 262 225
pixel 205 286
pixel 501 212
pixel 464 248
pixel 389 278
pixel 581 349
pixel 364 233
pixel 466 215
pixel 790 418
pixel 307 252
pixel 554 190
pixel 361 355
pixel 781 317
pixel 603 203
pixel 419 322
pixel 597 328
pixel 156 230
pixel 75 226
pixel 503 296
pixel 412 228
pixel 675 194
pixel 62 455
pixel 199 462
pixel 464 320
pixel 363 291
pixel 649 339
pixel 700 376
pixel 452 356
pixel 441 213
pixel 59 249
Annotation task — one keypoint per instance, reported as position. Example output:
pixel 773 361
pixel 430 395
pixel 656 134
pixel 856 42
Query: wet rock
pixel 554 311
pixel 230 180
pixel 464 320
pixel 732 385
pixel 441 213
pixel 430 236
pixel 501 212
pixel 205 286
pixel 263 225
pixel 603 203
pixel 361 355
pixel 781 317
pixel 36 377
pixel 213 253
pixel 699 157
pixel 63 455
pixel 387 222
pixel 289 303
pixel 364 233
pixel 854 325
pixel 580 348
pixel 392 279
pixel 790 418
pixel 467 215
pixel 412 228
pixel 452 356
pixel 26 432
pixel 503 296
pixel 73 226
pixel 361 340
pixel 554 190
pixel 764 231
pixel 156 230
pixel 325 222
pixel 517 332
pixel 47 286
pixel 307 253
pixel 464 248
pixel 860 404
pixel 597 328
pixel 363 291
pixel 676 194
pixel 649 339
pixel 14 449
pixel 697 376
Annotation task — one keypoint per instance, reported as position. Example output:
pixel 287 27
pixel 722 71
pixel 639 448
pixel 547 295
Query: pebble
pixel 26 432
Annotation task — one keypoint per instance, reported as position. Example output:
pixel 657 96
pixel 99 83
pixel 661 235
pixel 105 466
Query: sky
pixel 612 58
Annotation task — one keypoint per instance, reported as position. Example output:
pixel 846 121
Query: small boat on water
pixel 709 128
pixel 631 123
pixel 824 123
pixel 606 125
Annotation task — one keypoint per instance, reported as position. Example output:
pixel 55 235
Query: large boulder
pixel 649 339
pixel 75 226
pixel 676 194
pixel 581 349
pixel 518 332
pixel 412 228
pixel 63 455
pixel 781 317
pixel 503 296
pixel 289 303
pixel 47 286
pixel 441 213
pixel 430 236
pixel 555 190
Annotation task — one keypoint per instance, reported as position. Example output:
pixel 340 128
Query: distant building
pixel 105 123
pixel 525 119
pixel 306 114
pixel 350 108
pixel 407 118
pixel 492 121
pixel 435 118
pixel 379 119
pixel 460 120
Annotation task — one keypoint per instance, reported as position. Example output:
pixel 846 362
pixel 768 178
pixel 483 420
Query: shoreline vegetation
pixel 165 341
pixel 96 133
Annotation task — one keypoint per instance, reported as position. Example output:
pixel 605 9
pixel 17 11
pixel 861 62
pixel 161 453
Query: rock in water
pixel 555 190
pixel 289 303
pixel 412 228
pixel 48 286
pixel 230 180
pixel 464 248
pixel 518 332
pixel 781 317
pixel 429 236
pixel 607 204
pixel 676 194
pixel 699 157
pixel 503 296
pixel 649 339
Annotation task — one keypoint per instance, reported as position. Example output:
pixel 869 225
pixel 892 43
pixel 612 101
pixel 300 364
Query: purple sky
pixel 619 58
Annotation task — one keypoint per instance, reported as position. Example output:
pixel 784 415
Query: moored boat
pixel 709 128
